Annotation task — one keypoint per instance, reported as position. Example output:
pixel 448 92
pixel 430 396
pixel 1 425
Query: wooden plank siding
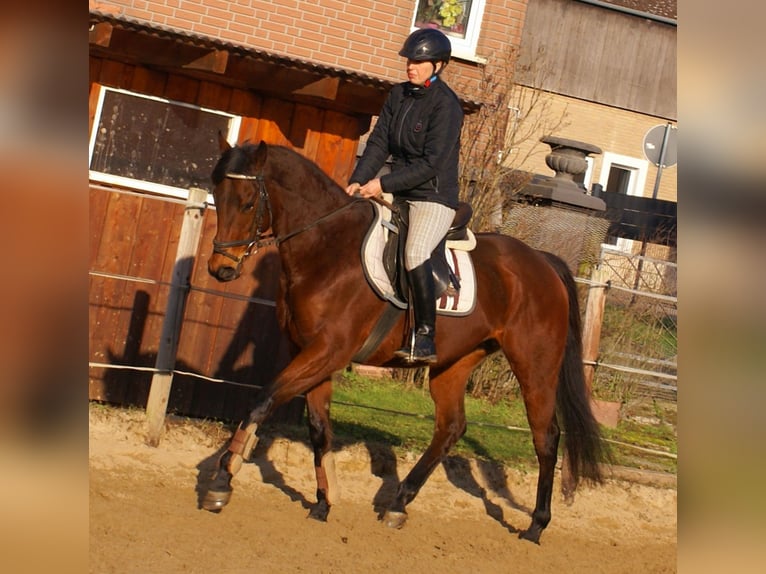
pixel 137 235
pixel 599 55
pixel 108 297
pixel 222 338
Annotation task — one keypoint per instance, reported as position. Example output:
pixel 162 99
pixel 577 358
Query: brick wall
pixel 362 36
pixel 611 129
pixel 365 36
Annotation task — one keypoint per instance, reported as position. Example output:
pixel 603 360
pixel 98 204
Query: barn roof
pixel 214 43
pixel 200 41
pixel 664 8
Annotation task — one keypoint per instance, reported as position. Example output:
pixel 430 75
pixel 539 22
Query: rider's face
pixel 419 72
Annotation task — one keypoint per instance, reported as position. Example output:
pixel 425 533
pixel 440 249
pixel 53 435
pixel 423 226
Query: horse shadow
pixel 207 467
pixel 460 474
pixel 383 460
pixel 383 464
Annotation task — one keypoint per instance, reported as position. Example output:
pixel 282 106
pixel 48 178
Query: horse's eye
pixel 248 207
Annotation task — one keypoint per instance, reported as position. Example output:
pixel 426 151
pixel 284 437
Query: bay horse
pixel 526 306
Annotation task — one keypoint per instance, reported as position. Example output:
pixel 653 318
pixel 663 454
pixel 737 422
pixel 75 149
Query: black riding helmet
pixel 427 44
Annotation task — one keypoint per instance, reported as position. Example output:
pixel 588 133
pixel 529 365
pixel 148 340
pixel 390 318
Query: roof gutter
pixel 630 11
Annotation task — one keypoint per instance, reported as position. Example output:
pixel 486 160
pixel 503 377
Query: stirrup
pixel 413 359
pixel 416 353
pixel 418 360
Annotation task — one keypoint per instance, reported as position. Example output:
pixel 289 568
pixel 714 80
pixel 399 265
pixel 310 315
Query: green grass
pixel 402 417
pixel 657 437
pixel 398 416
pixel 644 333
pixel 379 411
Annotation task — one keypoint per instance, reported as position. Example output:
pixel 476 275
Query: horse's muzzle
pixel 225 273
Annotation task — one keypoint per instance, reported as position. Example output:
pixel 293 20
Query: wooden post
pixel 159 393
pixel 594 316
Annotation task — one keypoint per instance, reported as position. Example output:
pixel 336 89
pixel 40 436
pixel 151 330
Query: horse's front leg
pixel 310 368
pixel 240 448
pixel 447 392
pixel 320 433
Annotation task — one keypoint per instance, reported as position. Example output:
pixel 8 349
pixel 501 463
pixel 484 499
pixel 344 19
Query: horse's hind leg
pixel 545 435
pixel 447 391
pixel 320 433
pixel 538 389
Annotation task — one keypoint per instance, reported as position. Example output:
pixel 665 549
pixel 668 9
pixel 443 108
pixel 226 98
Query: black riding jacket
pixel 420 128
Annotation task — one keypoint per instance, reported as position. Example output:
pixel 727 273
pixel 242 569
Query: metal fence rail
pixel 637 356
pixel 392 412
pixel 654 375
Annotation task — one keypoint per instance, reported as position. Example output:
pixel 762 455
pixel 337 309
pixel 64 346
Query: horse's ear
pixel 259 160
pixel 223 145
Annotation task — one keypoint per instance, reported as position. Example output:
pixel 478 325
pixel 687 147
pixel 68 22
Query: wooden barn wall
pixel 222 338
pixel 137 235
pixel 600 55
pixel 327 137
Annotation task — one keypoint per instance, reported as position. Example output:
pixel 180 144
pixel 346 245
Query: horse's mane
pixel 236 159
pixel 239 158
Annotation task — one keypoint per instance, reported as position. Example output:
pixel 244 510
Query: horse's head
pixel 242 207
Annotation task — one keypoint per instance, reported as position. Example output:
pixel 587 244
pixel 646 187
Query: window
pixel 623 174
pixel 153 144
pixel 618 180
pixel 460 20
pixel 626 175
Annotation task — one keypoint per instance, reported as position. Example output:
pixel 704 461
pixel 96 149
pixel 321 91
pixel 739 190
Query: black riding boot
pixel 424 304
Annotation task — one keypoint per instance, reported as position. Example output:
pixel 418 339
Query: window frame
pixel 142 184
pixel 462 48
pixel 638 169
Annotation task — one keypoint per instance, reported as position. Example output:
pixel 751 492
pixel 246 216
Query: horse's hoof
pixel 532 536
pixel 214 501
pixel 394 519
pixel 320 511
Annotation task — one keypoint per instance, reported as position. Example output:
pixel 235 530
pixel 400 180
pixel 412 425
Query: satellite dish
pixel 653 145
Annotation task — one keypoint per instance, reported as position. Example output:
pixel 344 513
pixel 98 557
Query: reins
pixel 278 240
pixel 256 238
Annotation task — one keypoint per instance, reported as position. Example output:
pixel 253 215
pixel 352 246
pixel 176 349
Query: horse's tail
pixel 582 438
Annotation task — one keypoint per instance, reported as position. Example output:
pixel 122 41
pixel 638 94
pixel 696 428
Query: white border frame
pixel 463 48
pixel 588 177
pixel 140 184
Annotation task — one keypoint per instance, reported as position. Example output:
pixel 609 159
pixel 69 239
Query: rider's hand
pixel 352 188
pixel 371 189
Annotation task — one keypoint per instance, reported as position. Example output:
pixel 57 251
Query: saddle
pixel 393 255
pixel 383 260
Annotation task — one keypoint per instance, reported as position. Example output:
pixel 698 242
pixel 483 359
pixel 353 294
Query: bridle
pixel 257 237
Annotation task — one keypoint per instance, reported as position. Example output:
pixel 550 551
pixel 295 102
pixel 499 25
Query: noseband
pixel 255 237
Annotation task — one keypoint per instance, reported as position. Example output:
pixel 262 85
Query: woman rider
pixel 419 126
